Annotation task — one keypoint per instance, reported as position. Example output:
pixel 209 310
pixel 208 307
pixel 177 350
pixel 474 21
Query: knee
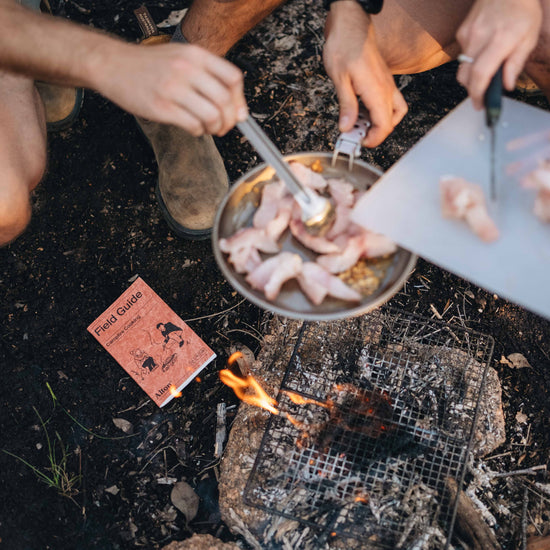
pixel 15 213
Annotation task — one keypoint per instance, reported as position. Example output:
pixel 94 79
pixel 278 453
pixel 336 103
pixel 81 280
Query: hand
pixel 497 32
pixel 179 84
pixel 354 64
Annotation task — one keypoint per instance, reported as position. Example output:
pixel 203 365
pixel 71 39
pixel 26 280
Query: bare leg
pixel 418 35
pixel 22 152
pixel 218 25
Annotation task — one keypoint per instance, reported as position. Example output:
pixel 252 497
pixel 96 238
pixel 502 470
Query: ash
pixel 378 478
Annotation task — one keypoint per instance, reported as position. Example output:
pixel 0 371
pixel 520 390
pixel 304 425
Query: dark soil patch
pixel 96 225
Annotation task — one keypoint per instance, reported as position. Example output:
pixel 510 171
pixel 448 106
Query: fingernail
pixel 242 114
pixel 344 122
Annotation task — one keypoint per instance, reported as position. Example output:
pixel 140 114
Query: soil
pixel 96 225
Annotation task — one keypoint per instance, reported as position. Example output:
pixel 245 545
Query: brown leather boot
pixel 62 104
pixel 192 178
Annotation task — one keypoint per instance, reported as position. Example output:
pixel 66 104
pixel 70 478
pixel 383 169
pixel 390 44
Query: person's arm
pixel 495 33
pixel 170 83
pixel 356 67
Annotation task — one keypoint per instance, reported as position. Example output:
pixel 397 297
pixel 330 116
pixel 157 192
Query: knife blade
pixel 493 105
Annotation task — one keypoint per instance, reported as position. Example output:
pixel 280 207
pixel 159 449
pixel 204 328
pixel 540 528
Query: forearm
pixel 218 25
pixel 52 49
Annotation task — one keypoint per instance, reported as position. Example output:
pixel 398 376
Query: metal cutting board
pixel 404 204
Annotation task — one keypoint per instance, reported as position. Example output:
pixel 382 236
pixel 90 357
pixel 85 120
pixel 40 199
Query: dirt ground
pixel 96 225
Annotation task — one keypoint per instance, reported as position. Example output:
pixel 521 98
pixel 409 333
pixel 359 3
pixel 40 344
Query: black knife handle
pixel 493 99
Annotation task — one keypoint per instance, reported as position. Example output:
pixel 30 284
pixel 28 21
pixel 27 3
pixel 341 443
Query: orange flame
pixel 241 386
pixel 233 357
pixel 174 391
pixel 299 400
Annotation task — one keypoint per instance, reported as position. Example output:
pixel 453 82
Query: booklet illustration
pixel 151 343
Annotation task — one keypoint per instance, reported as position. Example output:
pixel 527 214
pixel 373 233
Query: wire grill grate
pixel 401 395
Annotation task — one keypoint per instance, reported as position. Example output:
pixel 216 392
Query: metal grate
pixel 374 463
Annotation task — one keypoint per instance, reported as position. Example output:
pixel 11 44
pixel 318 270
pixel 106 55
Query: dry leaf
pixel 518 361
pixel 124 425
pixel 185 499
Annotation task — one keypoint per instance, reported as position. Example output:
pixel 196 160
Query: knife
pixel 493 104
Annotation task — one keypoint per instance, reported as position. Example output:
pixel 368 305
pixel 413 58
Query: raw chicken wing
pixel 461 199
pixel 271 274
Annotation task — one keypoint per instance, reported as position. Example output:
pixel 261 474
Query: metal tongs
pixel 317 211
pixel 349 143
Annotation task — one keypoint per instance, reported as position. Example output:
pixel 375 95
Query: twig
pixel 280 108
pixel 526 471
pixel 215 314
pixel 524 519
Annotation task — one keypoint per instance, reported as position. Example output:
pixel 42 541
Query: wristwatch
pixel 370 6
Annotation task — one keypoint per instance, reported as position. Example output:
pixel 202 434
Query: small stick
pixel 526 471
pixel 524 519
pixel 220 430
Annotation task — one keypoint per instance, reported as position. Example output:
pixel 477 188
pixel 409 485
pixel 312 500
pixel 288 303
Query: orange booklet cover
pixel 157 349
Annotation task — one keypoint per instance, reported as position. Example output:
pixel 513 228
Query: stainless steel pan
pixel 236 212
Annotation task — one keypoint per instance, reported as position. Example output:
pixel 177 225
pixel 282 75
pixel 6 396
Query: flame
pixel 233 357
pixel 299 400
pixel 361 498
pixel 174 391
pixel 241 386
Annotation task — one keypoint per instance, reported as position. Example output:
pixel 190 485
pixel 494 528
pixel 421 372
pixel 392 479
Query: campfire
pixel 370 431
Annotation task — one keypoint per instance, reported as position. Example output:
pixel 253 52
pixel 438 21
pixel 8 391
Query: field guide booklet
pixel 157 349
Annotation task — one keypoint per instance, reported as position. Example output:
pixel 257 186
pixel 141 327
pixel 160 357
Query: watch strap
pixel 370 6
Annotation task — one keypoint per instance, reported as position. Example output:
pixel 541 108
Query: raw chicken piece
pixel 539 178
pixel 277 226
pixel 318 244
pixel 542 205
pixel 461 199
pixel 245 260
pixel 308 177
pixel 336 263
pixel 341 191
pixel 343 197
pixel 376 245
pixel 317 283
pixel 359 243
pixel 272 193
pixel 271 274
pixel 243 247
pixel 249 237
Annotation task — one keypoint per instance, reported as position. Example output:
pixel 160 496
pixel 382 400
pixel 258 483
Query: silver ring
pixel 463 58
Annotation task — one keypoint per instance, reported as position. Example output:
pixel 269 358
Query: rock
pixel 201 542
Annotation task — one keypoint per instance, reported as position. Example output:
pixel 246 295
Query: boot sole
pixel 177 228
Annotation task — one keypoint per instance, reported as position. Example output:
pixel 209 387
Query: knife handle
pixel 493 99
